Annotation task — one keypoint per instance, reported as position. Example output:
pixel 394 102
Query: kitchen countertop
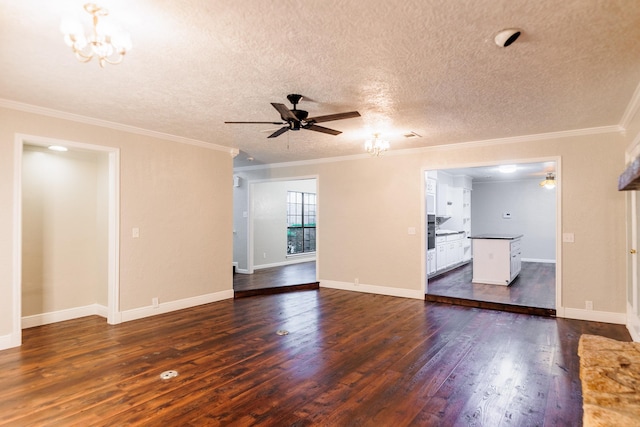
pixel 447 232
pixel 497 236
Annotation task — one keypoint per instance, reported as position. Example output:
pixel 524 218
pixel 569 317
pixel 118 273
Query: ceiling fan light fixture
pixel 549 182
pixel 376 146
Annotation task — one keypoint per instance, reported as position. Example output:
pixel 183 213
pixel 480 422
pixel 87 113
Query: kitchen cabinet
pixel 431 196
pixel 444 205
pixel 497 258
pixel 431 262
pixel 441 252
pixel 466 224
pixel 449 250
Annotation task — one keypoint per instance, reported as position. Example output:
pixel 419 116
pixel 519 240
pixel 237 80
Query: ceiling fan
pixel 297 119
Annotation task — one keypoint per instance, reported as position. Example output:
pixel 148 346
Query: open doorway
pixel 504 203
pixel 282 231
pixel 67 217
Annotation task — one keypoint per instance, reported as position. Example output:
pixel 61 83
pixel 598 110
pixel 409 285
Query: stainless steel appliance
pixel 431 232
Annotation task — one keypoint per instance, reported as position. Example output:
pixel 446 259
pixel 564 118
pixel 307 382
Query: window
pixel 301 222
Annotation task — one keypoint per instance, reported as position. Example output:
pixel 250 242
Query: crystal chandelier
pixel 376 146
pixel 105 42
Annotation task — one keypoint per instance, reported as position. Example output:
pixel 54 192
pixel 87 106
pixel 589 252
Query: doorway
pixel 504 200
pixel 66 225
pixel 282 233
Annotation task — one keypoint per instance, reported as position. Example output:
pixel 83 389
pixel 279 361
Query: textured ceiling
pixel 430 67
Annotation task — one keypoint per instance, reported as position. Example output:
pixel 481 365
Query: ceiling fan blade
pixel 285 113
pixel 279 132
pixel 323 129
pixel 258 123
pixel 330 117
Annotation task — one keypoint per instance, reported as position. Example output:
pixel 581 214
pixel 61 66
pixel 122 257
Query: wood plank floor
pixel 266 281
pixel 349 359
pixel 535 286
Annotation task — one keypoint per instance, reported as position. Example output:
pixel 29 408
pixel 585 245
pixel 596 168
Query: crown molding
pixel 28 108
pixel 446 147
pixel 632 109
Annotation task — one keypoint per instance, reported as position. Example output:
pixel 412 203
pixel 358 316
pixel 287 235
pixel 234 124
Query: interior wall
pixel 179 195
pixel 64 251
pixel 532 209
pixel 369 206
pixel 269 214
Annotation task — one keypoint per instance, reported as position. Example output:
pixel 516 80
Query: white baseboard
pixel 373 289
pixel 9 341
pixel 242 271
pixel 294 260
pixel 594 316
pixel 633 323
pixel 546 261
pixel 62 315
pixel 167 307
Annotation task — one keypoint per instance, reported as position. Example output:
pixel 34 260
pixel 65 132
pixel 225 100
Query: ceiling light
pixel 549 182
pixel 507 168
pixel 57 148
pixel 505 37
pixel 105 42
pixel 376 146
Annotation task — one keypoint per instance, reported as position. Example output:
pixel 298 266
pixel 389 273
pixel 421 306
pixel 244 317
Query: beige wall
pixel 367 205
pixel 64 245
pixel 179 195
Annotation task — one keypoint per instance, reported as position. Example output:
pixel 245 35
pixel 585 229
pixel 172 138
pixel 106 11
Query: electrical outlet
pixel 264 255
pixel 356 281
pixel 154 302
pixel 588 305
pixel 135 232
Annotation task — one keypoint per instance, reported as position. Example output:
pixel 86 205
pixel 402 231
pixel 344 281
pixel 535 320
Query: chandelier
pixel 107 43
pixel 376 146
pixel 549 182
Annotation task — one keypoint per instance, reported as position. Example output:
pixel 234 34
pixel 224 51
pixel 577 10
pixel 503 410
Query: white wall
pixel 64 249
pixel 269 214
pixel 533 213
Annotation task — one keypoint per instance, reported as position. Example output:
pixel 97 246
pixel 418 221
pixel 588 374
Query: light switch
pixel 568 237
pixel 135 232
pixel 411 231
pixel 506 215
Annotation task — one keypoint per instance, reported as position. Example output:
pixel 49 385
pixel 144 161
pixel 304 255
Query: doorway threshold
pixel 511 308
pixel 276 290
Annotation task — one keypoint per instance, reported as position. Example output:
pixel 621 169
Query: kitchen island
pixel 496 258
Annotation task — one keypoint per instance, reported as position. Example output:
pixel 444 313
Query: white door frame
pixel 558 161
pixel 113 310
pixel 633 311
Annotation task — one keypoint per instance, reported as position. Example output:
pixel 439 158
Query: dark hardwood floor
pixel 266 281
pixel 535 287
pixel 349 359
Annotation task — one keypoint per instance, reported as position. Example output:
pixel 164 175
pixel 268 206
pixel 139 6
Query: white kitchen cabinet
pixel 466 224
pixel 431 196
pixel 441 252
pixel 449 250
pixel 431 262
pixel 496 258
